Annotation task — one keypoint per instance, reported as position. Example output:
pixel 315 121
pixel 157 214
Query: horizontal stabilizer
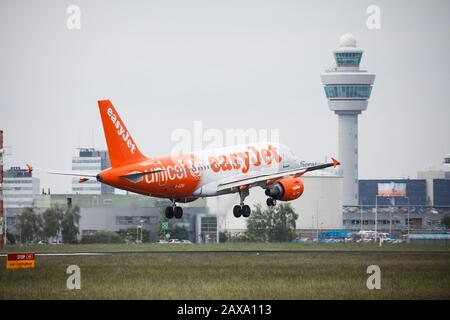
pixel 72 173
pixel 62 173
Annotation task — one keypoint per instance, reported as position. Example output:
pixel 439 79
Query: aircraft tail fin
pixel 121 146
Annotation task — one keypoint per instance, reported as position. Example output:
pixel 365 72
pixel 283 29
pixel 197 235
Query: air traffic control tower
pixel 348 90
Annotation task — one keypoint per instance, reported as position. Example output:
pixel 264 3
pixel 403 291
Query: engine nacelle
pixel 286 189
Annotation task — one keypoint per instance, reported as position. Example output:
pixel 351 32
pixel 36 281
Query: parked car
pixel 162 241
pixel 174 241
pixel 301 240
pixel 186 241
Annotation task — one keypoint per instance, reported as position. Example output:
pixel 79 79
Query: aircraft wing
pixel 264 178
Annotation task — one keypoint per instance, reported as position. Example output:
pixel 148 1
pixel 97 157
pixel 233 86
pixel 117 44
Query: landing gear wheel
pixel 178 212
pixel 246 211
pixel 169 212
pixel 237 211
pixel 271 202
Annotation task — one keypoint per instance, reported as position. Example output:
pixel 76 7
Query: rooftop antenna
pixel 6 152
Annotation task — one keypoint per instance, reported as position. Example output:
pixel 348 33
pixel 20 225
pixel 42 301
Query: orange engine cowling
pixel 286 189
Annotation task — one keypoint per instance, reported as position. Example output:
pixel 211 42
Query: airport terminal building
pixel 422 207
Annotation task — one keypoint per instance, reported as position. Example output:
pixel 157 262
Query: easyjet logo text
pixel 244 160
pixel 121 131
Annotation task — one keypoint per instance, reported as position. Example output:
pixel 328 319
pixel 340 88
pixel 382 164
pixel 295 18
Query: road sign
pixel 164 225
pixel 20 261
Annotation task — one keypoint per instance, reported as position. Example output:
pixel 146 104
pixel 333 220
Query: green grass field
pixel 419 272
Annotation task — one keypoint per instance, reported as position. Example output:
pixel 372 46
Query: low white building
pixel 320 206
pixel 431 175
pixel 446 166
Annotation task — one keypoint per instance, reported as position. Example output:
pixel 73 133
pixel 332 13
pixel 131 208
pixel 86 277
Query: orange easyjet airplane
pixel 187 177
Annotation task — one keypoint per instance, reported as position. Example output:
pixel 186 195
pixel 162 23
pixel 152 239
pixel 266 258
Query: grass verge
pixel 302 275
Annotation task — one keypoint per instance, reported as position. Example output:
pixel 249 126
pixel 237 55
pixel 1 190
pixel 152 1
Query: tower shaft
pixel 348 155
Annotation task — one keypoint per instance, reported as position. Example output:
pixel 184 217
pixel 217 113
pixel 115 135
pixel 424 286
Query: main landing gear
pixel 174 211
pixel 242 209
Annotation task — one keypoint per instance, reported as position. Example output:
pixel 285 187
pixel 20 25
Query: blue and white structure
pixel 19 188
pixel 348 90
pixel 446 166
pixel 90 161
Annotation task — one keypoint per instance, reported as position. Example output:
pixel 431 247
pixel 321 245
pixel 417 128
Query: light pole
pixel 407 207
pixel 397 218
pixel 361 217
pixel 141 221
pixel 5 226
pixel 317 218
pixel 390 215
pixel 376 217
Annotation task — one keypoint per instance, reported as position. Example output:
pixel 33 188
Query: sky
pixel 229 64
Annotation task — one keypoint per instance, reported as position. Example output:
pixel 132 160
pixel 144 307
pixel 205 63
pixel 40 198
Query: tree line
pixel 59 223
pixel 56 223
pixel 272 224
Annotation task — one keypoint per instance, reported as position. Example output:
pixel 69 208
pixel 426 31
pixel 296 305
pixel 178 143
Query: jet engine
pixel 286 189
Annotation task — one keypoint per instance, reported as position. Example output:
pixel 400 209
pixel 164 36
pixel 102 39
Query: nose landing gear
pixel 169 212
pixel 271 202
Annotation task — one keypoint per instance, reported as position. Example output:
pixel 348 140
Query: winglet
pixel 30 168
pixel 81 180
pixel 335 162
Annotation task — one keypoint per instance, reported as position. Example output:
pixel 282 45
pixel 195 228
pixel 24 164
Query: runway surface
pixel 112 253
